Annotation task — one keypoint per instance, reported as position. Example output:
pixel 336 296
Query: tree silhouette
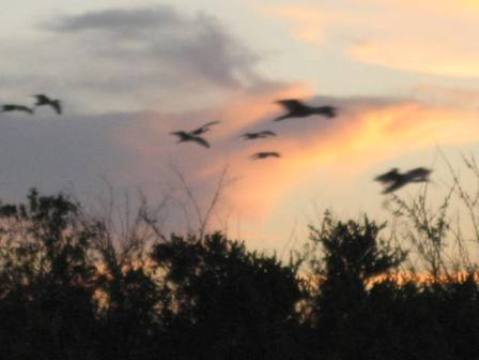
pixel 69 289
pixel 352 256
pixel 230 303
pixel 47 278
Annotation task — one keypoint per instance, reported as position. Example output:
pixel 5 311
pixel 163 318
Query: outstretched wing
pixel 249 136
pixel 200 141
pixel 25 109
pixel 292 105
pixel 329 111
pixel 264 155
pixel 204 128
pixel 267 133
pixel 13 107
pixel 419 174
pixel 211 123
pixel 394 186
pixel 41 99
pixel 390 176
pixel 57 106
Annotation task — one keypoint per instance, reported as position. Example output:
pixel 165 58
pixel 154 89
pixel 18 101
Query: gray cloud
pixel 122 21
pixel 162 44
pixel 129 60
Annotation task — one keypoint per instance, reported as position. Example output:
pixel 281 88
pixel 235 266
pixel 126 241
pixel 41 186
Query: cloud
pixel 307 23
pixel 125 22
pixel 467 99
pixel 430 37
pixel 424 57
pixel 433 37
pixel 132 59
pixel 368 132
pixel 465 7
pixel 198 46
pixel 136 150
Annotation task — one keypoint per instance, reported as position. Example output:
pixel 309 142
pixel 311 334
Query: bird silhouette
pixel 185 136
pixel 391 175
pixel 297 108
pixel 14 107
pixel 394 180
pixel 43 100
pixel 204 128
pixel 265 154
pixel 258 135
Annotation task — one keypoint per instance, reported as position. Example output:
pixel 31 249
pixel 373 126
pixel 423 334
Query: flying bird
pixel 14 107
pixel 265 154
pixel 258 135
pixel 43 100
pixel 204 128
pixel 297 108
pixel 184 136
pixel 394 180
pixel 390 176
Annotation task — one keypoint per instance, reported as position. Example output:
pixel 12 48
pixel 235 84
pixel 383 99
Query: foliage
pixel 70 289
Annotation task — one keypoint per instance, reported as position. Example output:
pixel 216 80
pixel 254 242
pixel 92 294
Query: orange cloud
pixel 430 37
pixel 364 136
pixel 329 154
pixel 424 57
pixel 307 23
pixel 450 7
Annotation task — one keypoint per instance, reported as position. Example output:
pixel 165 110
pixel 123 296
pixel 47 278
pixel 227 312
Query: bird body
pixel 185 136
pixel 297 108
pixel 194 135
pixel 394 180
pixel 391 175
pixel 43 100
pixel 14 107
pixel 258 135
pixel 265 154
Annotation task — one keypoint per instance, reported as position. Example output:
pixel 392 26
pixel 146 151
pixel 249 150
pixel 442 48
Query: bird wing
pixel 57 106
pixel 394 186
pixel 41 98
pixel 211 123
pixel 200 141
pixel 204 128
pixel 12 107
pixel 263 155
pixel 292 104
pixel 389 176
pixel 25 109
pixel 418 174
pixel 329 111
pixel 248 135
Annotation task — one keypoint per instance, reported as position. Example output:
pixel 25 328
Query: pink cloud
pixel 367 132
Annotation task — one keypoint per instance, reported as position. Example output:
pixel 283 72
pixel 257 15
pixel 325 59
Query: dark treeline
pixel 70 289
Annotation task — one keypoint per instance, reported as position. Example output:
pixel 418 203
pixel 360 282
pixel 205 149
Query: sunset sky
pixel 403 76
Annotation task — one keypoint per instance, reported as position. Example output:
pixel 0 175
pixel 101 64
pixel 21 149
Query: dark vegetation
pixel 72 289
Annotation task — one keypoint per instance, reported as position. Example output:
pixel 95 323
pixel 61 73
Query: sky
pixel 403 76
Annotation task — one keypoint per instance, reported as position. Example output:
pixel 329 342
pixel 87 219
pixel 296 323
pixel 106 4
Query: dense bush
pixel 71 290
